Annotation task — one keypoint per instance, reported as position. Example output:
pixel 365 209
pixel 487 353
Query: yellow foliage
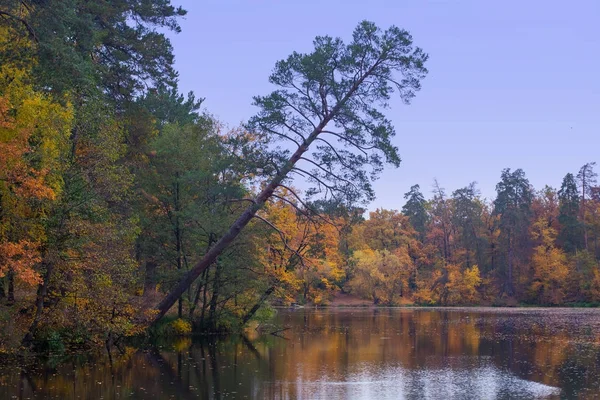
pixel 34 133
pixel 381 276
pixel 550 266
pixel 304 262
pixel 181 327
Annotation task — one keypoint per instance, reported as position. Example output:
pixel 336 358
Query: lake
pixel 352 353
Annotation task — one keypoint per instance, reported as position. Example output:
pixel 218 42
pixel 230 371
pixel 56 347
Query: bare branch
pixel 340 158
pixel 282 236
pixel 294 130
pixel 299 112
pixel 312 210
pixel 361 148
pixel 296 169
pixel 239 200
pixel 310 100
pixel 279 134
pixel 301 211
pixel 330 172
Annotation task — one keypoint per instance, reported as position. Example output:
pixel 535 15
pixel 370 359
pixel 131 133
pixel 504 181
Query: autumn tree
pixel 381 275
pixel 329 95
pixel 458 286
pixel 34 131
pixel 549 263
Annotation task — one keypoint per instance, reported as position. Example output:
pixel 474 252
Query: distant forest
pixel 123 201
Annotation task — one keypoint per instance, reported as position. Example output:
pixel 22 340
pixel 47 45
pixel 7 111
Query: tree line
pixel 526 246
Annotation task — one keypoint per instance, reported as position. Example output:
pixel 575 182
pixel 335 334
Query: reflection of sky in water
pixel 481 383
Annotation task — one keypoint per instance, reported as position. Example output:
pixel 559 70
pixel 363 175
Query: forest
pixel 123 201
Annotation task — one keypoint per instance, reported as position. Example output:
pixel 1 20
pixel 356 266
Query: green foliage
pixel 265 314
pixel 513 206
pixel 114 46
pixel 335 92
pixel 571 232
pixel 415 209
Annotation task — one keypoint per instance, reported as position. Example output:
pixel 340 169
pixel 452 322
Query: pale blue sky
pixel 511 83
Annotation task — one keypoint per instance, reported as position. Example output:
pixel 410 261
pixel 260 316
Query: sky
pixel 511 84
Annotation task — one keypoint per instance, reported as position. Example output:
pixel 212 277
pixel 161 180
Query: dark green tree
pixel 513 206
pixel 168 106
pixel 571 231
pixel 115 46
pixel 586 177
pixel 415 209
pixel 327 110
pixel 467 220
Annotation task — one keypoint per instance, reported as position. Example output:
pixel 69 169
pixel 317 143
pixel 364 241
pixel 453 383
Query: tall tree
pixel 569 203
pixel 34 133
pixel 468 222
pixel 586 178
pixel 513 206
pixel 440 229
pixel 331 94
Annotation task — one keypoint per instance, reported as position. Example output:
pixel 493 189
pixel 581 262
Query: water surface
pixel 396 353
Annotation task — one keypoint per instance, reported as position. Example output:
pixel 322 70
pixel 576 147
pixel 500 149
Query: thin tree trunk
pixel 39 305
pixel 585 234
pixel 194 302
pixel 178 241
pixel 2 291
pixel 11 287
pixel 256 307
pixel 216 286
pixel 202 285
pixel 204 295
pixel 509 284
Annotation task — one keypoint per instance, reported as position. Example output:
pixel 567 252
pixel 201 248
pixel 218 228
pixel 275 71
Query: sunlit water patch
pixel 486 383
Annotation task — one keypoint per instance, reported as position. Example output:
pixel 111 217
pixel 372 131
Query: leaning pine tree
pixel 327 109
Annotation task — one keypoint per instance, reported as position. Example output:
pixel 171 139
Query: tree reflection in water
pixel 345 353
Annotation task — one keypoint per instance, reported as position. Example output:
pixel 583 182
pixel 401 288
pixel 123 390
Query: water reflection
pixel 354 354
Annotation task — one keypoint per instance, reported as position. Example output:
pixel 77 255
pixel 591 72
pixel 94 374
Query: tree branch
pixel 282 236
pixel 279 134
pixel 361 148
pixel 24 23
pixel 330 173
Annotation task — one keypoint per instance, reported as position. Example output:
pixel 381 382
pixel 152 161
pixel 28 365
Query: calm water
pixel 347 354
